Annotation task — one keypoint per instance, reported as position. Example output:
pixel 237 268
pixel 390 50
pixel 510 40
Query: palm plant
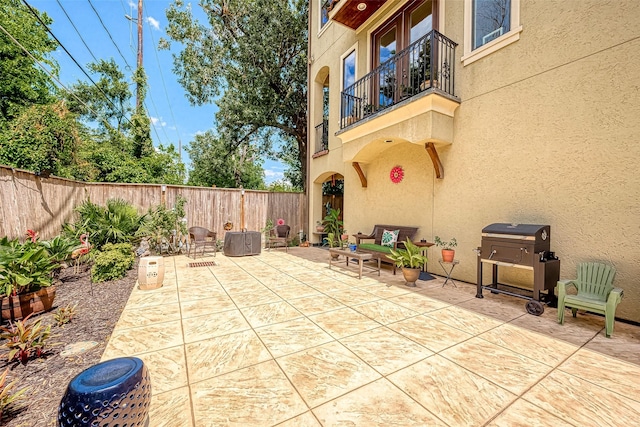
pixel 333 226
pixel 117 222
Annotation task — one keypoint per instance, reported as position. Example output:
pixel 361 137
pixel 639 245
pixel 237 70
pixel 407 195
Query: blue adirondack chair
pixel 595 293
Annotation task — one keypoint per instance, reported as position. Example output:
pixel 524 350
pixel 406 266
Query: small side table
pixel 423 246
pixel 450 265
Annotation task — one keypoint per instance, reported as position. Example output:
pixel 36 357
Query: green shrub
pixel 123 248
pixel 111 265
pixel 117 222
pixel 162 224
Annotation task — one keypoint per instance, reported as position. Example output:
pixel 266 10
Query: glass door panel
pixel 420 24
pixel 387 77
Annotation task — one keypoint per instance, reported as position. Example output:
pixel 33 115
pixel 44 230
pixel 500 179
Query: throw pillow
pixel 389 237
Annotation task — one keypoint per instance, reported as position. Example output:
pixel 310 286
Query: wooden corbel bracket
pixel 435 159
pixel 363 179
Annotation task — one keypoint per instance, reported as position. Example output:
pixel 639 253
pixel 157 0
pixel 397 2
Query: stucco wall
pixel 547 132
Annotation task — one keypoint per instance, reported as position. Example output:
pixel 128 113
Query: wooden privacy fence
pixel 28 201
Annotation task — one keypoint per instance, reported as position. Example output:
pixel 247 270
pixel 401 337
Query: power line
pixel 109 34
pixel 154 127
pixel 50 74
pixel 106 97
pixel 78 32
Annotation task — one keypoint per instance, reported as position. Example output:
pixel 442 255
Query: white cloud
pixel 271 175
pixel 153 22
pixel 133 5
pixel 157 121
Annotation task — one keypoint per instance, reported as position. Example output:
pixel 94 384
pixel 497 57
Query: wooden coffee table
pixel 361 257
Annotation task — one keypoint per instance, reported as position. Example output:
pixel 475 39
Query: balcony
pixel 352 13
pixel 427 65
pixel 322 139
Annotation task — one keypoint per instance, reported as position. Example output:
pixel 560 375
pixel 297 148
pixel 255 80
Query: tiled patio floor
pixel 279 339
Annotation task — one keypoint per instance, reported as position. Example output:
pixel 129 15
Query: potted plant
pixel 344 237
pixel 333 242
pixel 26 278
pixel 333 227
pixel 448 253
pixel 319 227
pixel 410 260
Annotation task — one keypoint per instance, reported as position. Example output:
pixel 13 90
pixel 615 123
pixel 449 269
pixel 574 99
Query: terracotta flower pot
pixel 448 255
pixel 20 306
pixel 411 275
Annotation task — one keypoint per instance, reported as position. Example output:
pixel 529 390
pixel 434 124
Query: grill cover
pixel 237 243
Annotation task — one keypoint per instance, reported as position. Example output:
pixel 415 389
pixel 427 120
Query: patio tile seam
pixel 516 396
pixel 342 394
pixel 559 368
pixel 435 320
pixel 186 365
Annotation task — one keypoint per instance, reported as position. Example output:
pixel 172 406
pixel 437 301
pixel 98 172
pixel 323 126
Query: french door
pixel 395 77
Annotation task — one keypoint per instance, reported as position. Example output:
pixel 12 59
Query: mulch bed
pixel 47 378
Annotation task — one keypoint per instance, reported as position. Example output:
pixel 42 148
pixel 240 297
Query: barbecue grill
pixel 525 246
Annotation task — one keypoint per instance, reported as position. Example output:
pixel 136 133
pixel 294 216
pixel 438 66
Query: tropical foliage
pixel 411 257
pixel 24 267
pixel 9 398
pixel 25 339
pixel 117 222
pixel 333 226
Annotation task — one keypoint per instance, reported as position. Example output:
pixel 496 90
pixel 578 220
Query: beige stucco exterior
pixel 547 131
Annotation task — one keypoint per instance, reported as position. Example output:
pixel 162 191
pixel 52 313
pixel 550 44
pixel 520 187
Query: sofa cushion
pixel 374 247
pixel 389 237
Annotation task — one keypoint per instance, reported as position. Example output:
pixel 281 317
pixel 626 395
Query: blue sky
pixel 173 118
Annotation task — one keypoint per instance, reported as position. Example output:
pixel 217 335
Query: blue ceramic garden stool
pixel 112 393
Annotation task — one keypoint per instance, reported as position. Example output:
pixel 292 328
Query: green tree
pixel 22 81
pixel 108 102
pixel 120 149
pixel 45 138
pixel 251 58
pixel 141 125
pixel 212 164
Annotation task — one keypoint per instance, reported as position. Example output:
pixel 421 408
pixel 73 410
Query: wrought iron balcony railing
pixel 426 64
pixel 322 137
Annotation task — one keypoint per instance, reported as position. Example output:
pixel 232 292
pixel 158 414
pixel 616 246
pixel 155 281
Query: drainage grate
pixel 202 264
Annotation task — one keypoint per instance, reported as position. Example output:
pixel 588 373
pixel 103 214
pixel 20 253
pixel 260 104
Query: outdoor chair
pixel 595 293
pixel 279 237
pixel 201 237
